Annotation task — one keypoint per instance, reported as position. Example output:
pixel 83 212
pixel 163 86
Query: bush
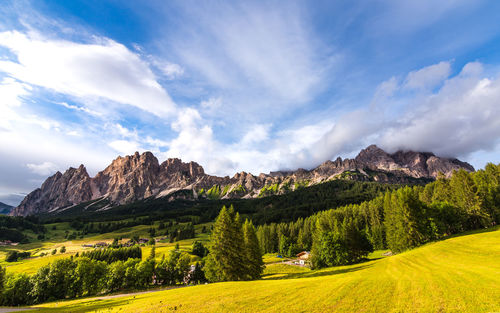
pixel 14 256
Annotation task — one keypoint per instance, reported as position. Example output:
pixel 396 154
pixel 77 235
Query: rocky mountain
pixel 139 176
pixel 5 208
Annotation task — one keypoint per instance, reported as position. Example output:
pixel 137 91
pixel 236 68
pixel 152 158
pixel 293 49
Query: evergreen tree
pixel 255 264
pixel 198 249
pixel 226 257
pixel 152 254
pixel 2 278
pixel 198 275
pixel 405 219
pixel 465 196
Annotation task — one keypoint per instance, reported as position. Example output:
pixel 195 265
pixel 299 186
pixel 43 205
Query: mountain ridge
pixel 139 176
pixel 5 208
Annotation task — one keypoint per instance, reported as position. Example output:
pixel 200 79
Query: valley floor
pixel 460 274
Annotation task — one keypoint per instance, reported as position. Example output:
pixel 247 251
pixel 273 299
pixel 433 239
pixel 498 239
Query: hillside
pixel 275 208
pixel 460 274
pixel 5 208
pixel 140 176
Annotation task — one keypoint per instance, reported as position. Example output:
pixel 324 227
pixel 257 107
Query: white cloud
pixel 428 77
pixel 103 69
pixel 211 104
pixel 242 46
pixel 125 132
pixel 12 92
pixel 258 133
pixel 457 120
pixel 125 147
pixel 44 169
pixel 171 70
pixel 196 142
pixel 80 108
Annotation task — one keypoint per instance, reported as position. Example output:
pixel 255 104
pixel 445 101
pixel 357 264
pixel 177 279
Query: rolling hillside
pixel 460 274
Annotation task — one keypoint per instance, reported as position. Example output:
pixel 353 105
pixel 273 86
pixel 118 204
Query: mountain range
pixel 139 176
pixel 5 208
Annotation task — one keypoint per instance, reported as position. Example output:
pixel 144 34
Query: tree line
pixel 397 219
pixel 12 228
pixel 110 255
pixel 82 276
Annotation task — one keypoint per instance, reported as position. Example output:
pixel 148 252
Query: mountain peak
pixel 139 176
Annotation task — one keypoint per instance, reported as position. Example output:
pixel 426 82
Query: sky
pixel 253 86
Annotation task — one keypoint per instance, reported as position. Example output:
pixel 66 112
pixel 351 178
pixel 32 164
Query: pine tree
pixel 152 254
pixel 254 261
pixel 226 258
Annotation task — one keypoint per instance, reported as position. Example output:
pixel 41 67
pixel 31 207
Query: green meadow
pixel 459 274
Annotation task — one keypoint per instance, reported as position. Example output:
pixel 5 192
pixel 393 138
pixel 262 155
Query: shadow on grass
pixel 80 307
pixel 318 273
pixel 471 232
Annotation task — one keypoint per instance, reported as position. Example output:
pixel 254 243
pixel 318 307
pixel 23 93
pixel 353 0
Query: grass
pixel 273 258
pixel 460 274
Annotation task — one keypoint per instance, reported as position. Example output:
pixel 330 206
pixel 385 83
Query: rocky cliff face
pixel 139 176
pixel 414 164
pixel 59 190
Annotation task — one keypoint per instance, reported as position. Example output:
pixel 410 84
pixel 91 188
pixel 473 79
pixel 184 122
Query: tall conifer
pixel 254 262
pixel 226 257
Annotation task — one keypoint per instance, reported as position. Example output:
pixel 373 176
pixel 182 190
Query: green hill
pixel 460 274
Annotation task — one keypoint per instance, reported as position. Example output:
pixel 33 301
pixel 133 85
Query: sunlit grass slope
pixel 461 274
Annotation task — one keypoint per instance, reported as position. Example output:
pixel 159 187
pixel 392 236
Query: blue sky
pixel 243 86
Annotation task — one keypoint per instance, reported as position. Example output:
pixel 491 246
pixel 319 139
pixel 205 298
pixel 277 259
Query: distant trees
pixel 110 255
pixel 13 228
pixel 183 232
pixel 234 250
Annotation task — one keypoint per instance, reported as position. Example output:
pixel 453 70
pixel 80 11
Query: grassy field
pixel 460 274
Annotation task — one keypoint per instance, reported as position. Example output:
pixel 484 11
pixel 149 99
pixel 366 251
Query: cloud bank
pixel 102 69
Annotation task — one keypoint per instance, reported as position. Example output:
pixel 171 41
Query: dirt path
pixel 14 309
